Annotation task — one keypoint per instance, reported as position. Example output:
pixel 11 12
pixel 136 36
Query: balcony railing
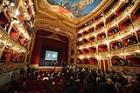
pixel 3 33
pixel 136 23
pixel 101 41
pixel 94 43
pixel 126 30
pixel 7 67
pixel 122 16
pixel 99 30
pixel 113 36
pixel 104 54
pixel 131 48
pixel 133 7
pixel 98 21
pixel 117 51
pixel 126 68
pixel 111 24
pixel 116 6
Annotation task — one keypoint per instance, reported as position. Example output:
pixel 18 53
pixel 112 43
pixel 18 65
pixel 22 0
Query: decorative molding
pixel 54 37
pixel 46 16
pixel 42 7
pixel 45 25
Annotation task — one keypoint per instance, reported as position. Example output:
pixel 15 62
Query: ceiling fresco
pixel 78 8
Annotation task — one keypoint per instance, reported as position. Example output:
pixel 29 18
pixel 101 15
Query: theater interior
pixel 69 46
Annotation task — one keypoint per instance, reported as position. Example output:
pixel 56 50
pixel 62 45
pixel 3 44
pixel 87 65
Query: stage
pixel 49 68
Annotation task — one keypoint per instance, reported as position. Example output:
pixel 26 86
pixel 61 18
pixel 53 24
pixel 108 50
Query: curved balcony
pixel 99 30
pixel 99 20
pixel 99 25
pixel 92 39
pixel 92 49
pixel 130 40
pixel 104 54
pixel 3 32
pixel 101 37
pixel 132 48
pixel 95 43
pixel 102 48
pixel 117 51
pixel 119 61
pixel 87 55
pixel 7 67
pixel 133 7
pixel 136 23
pixel 133 59
pixel 9 43
pixel 119 5
pixel 22 29
pixel 112 34
pixel 116 44
pixel 115 7
pixel 93 61
pixel 125 26
pixel 111 24
pixel 122 16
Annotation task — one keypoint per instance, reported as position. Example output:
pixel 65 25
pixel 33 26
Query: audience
pixel 75 79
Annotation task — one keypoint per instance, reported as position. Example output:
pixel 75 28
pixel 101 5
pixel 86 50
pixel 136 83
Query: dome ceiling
pixel 76 8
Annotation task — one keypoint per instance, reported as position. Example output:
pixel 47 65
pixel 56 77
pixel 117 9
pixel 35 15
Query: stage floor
pixel 50 68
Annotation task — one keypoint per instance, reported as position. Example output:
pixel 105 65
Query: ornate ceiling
pixel 65 16
pixel 76 8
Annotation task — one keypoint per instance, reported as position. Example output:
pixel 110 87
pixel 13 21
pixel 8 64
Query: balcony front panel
pixel 132 48
pixel 113 36
pixel 117 51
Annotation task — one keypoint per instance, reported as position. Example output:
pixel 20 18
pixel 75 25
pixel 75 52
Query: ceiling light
pixel 80 39
pixel 57 29
pixel 4 41
pixel 88 56
pixel 112 10
pixel 81 57
pixel 17 13
pixel 87 37
pixel 9 44
pixel 126 13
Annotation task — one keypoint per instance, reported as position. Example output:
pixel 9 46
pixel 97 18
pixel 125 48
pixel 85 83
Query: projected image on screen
pixel 51 55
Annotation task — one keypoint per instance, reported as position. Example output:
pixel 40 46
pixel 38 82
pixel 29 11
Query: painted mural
pixel 78 8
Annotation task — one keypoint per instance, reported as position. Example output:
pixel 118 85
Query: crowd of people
pixel 75 79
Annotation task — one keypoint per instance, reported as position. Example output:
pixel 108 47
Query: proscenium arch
pixel 41 24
